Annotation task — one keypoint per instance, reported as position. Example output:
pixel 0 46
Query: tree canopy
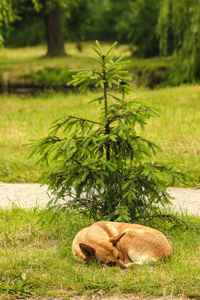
pixel 179 32
pixel 6 16
pixel 128 21
pixel 172 26
pixel 48 10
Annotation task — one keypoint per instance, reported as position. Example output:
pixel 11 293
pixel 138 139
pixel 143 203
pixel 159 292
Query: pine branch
pixel 125 115
pixel 114 97
pixel 85 120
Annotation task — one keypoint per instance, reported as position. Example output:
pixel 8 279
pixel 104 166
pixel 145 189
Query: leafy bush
pixel 50 77
pixel 106 170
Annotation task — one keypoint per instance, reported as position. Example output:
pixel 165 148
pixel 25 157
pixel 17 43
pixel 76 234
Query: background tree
pixel 6 16
pixel 97 18
pixel 27 29
pixel 128 21
pixel 137 25
pixel 76 19
pixel 50 12
pixel 179 31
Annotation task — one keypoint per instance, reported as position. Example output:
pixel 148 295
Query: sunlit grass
pixel 21 61
pixel 36 260
pixel 71 50
pixel 176 131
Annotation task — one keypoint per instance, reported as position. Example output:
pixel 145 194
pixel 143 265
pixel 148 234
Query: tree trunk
pixel 54 35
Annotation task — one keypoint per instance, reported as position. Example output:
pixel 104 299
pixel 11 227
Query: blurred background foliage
pixel 127 21
pixel 149 27
pixel 131 22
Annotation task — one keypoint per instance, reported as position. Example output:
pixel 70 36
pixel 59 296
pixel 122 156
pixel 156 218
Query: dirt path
pixel 31 195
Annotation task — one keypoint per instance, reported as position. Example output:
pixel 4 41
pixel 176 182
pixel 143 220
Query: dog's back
pixel 133 243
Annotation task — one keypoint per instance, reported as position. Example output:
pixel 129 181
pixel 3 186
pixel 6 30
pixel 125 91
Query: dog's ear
pixel 115 239
pixel 87 250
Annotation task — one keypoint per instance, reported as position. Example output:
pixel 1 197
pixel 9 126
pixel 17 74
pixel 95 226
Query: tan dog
pixel 120 244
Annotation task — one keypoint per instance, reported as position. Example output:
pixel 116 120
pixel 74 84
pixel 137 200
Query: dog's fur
pixel 120 244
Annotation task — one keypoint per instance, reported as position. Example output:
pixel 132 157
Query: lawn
pixel 36 257
pixel 36 260
pixel 176 131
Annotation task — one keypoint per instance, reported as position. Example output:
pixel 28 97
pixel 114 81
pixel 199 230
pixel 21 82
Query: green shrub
pixel 50 77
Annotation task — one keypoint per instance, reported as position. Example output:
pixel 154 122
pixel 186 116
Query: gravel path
pixel 30 195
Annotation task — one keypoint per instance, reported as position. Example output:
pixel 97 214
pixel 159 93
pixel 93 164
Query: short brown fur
pixel 120 244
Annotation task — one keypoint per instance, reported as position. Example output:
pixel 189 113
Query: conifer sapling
pixel 103 168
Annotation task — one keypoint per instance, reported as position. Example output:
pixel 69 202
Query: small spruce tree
pixel 103 168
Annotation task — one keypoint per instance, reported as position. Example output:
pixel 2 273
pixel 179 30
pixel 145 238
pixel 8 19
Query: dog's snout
pixel 111 264
pixel 121 265
pixel 116 264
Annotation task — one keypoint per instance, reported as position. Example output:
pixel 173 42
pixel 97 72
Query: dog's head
pixel 105 251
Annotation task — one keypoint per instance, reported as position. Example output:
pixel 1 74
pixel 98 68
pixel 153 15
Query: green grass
pixel 18 62
pixel 36 260
pixel 177 129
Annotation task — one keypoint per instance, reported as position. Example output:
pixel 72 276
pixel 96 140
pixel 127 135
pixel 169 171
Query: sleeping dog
pixel 120 244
